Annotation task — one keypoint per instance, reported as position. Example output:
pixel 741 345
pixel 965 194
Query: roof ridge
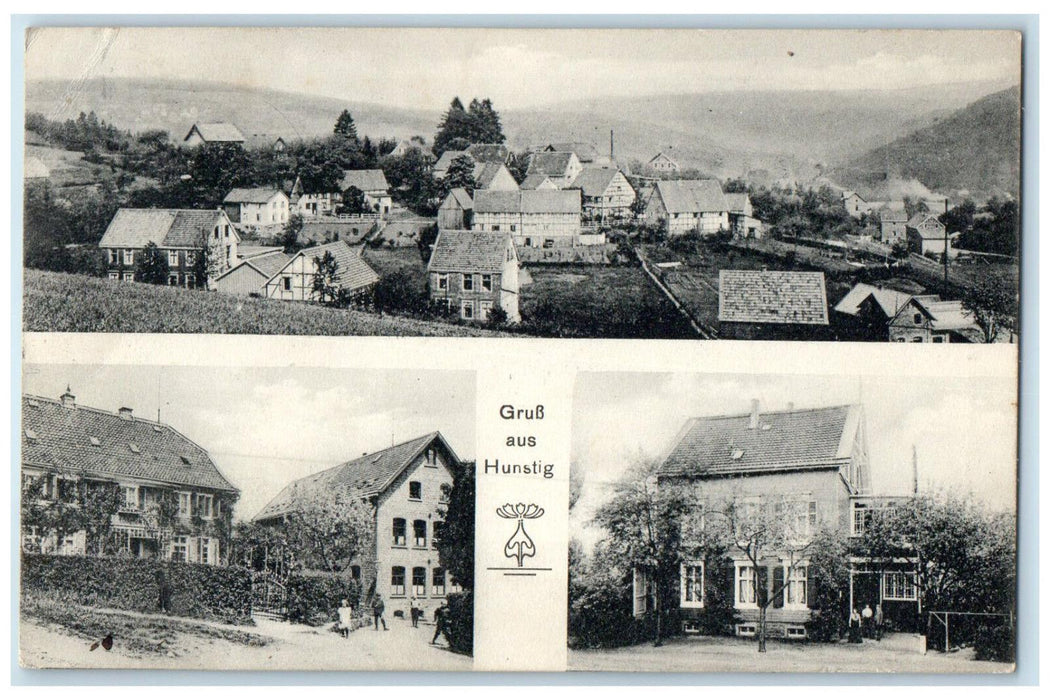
pixel 93 409
pixel 727 416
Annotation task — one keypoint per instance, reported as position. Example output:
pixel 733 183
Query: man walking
pixel 441 624
pixel 377 612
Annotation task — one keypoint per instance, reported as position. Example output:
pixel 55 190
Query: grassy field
pixel 59 302
pixel 598 302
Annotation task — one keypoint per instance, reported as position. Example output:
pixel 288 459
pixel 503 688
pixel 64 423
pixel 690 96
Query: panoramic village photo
pixel 754 523
pixel 683 184
pixel 306 519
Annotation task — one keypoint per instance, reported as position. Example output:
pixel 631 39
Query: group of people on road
pixel 378 607
pixel 866 623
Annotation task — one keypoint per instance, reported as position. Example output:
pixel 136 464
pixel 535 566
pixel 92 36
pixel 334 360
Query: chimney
pixel 753 423
pixel 124 413
pixel 68 399
pixel 611 151
pixel 914 471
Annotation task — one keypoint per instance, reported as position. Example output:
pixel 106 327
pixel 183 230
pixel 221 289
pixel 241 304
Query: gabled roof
pixel 267 265
pixel 35 168
pixel 553 163
pixel 889 300
pixel 167 228
pixel 586 152
pixel 461 197
pixel 244 252
pixel 894 215
pixel 489 152
pixel 252 195
pixel 447 157
pixel 594 181
pixel 352 272
pixel 692 196
pixel 365 476
pixel 485 173
pixel 470 251
pixel 663 156
pixel 737 201
pixel 365 180
pixel 921 217
pixel 217 132
pixel 527 201
pixel 535 180
pixel 795 439
pixel 263 141
pixel 946 315
pixel 131 449
pixel 772 296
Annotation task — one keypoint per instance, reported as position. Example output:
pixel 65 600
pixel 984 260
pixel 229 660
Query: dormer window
pixel 737 454
pixel 95 442
pixel 185 460
pixel 33 402
pixel 134 448
pixel 32 434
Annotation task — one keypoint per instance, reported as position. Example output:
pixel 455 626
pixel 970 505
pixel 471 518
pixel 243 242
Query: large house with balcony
pixel 407 486
pixel 173 503
pixel 180 234
pixel 796 471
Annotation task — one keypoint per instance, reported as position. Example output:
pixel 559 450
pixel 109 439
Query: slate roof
pixel 692 196
pixel 489 152
pixel 594 181
pixel 352 272
pixel 586 152
pixel 167 228
pixel 368 475
pixel 64 441
pixel 768 296
pixel 534 180
pixel 251 195
pixel 889 300
pixel 553 163
pixel 470 251
pixel 216 132
pixel 795 439
pixel 365 180
pixel 527 201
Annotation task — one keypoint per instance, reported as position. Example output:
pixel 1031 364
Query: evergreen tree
pixel 460 174
pixel 344 126
pixel 454 126
pixel 153 265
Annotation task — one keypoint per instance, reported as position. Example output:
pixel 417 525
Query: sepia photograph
pixel 778 523
pixel 246 519
pixel 838 185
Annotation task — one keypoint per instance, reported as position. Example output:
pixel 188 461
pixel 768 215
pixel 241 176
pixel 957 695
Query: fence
pixel 964 628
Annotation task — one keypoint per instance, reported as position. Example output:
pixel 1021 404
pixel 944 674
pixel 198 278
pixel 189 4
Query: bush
pixel 461 622
pixel 600 613
pixel 994 642
pixel 197 590
pixel 313 598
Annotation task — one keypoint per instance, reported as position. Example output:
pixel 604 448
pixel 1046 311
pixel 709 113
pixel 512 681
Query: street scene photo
pixel 755 523
pixel 301 519
pixel 836 185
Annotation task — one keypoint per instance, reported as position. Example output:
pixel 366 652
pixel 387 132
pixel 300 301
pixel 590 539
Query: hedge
pixel 313 598
pixel 206 592
pixel 461 622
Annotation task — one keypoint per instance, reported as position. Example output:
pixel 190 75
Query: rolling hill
pixel 974 151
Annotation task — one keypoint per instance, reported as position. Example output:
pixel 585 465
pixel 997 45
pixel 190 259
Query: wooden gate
pixel 269 597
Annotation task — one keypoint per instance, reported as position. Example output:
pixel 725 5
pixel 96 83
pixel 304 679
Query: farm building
pixel 213 132
pixel 538 181
pixel 927 319
pixel 854 204
pixel 535 218
pixel 742 221
pixel 759 304
pixel 684 206
pixel 256 206
pixel 295 279
pixel 372 183
pixel 456 211
pixel 473 272
pixel 249 276
pixel 36 169
pixel 560 166
pixel 663 163
pixel 607 195
pixel 893 225
pixel 926 234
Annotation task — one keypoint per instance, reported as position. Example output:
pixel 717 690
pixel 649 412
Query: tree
pixel 643 527
pixel 993 301
pixel 484 123
pixel 328 528
pixel 207 260
pixel 456 545
pixel 290 234
pixel 325 284
pixel 460 127
pixel 460 174
pixel 455 125
pixel 153 265
pixel 344 126
pixel 353 201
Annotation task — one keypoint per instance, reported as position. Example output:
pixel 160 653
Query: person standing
pixel 346 614
pixel 868 618
pixel 414 612
pixel 378 607
pixel 854 627
pixel 441 624
pixel 879 621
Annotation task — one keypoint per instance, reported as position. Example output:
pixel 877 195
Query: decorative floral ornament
pixel 520 545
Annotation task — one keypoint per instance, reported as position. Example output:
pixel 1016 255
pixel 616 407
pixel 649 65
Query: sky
pixel 520 68
pixel 964 430
pixel 267 427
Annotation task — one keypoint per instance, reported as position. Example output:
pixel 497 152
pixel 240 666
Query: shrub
pixel 994 642
pixel 461 622
pixel 197 590
pixel 600 613
pixel 313 598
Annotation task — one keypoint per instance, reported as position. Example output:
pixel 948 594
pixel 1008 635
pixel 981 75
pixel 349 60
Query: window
pixel 899 585
pixel 745 586
pixel 484 308
pixel 180 547
pixel 205 550
pixel 918 319
pixel 445 492
pixel 204 504
pixel 453 585
pixel 114 275
pixel 467 309
pixel 486 283
pixel 399 532
pixel 131 498
pixel 128 277
pixel 191 257
pixel 437 529
pixel 796 587
pixel 129 257
pixel 431 458
pixel 806 517
pixel 355 572
pixel 286 283
pixel 468 283
pixel 938 338
pixel 415 491
pixel 442 281
pixel 397 580
pixel 173 258
pixel 184 505
pixel 419 533
pixel 191 281
pixel 692 588
pixel 112 256
pixel 860 519
pixel 437 584
pixel 496 227
pixel 419 581
pixel 173 279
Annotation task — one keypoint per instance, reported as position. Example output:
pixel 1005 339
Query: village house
pixel 489 153
pixel 406 146
pixel 372 183
pixel 926 234
pixel 854 204
pixel 538 181
pixel 407 486
pixel 257 206
pixel 473 272
pixel 35 169
pixel 662 163
pixel 173 502
pixel 607 195
pixel 180 234
pixel 456 210
pixel 213 132
pixel 793 471
pixel 560 166
pixel 266 142
pixel 881 314
pixel 893 225
pixel 534 218
pixel 312 204
pixel 742 221
pixel 488 175
pixel 294 281
pixel 250 275
pixel 685 206
pixel 769 304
